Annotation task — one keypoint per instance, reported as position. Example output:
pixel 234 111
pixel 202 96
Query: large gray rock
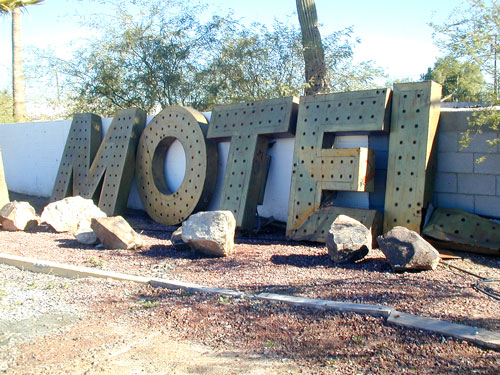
pixel 348 240
pixel 210 232
pixel 18 216
pixel 407 250
pixel 71 214
pixel 115 233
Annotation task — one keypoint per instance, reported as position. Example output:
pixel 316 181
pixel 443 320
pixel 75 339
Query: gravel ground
pixel 320 342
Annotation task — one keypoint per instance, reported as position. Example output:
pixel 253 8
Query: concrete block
pixel 454 119
pixel 487 205
pixel 447 141
pixel 463 201
pixel 476 184
pixel 478 143
pixel 445 183
pixel 491 165
pixel 455 162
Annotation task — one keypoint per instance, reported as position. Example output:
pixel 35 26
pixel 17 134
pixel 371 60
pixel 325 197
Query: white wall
pixel 32 153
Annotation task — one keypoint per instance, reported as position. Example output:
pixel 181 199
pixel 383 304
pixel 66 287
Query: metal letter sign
pixel 319 170
pixel 250 126
pixel 114 165
pixel 415 117
pixel 81 146
pixel 189 127
pixel 109 178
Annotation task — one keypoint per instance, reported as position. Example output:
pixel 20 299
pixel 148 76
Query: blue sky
pixel 394 33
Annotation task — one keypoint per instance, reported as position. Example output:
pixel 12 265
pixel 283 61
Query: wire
pixel 479 283
pixel 491 294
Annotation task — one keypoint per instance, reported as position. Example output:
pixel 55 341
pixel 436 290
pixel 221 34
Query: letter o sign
pixel 189 127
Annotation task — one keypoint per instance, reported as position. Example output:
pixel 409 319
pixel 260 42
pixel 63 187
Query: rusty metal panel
pixel 319 170
pixel 459 230
pixel 4 193
pixel 316 226
pixel 189 127
pixel 81 147
pixel 357 111
pixel 415 116
pixel 348 169
pixel 250 126
pixel 112 171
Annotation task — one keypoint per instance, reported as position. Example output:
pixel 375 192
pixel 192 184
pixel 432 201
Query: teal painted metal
pixel 251 126
pixel 189 127
pixel 81 147
pixel 319 170
pixel 113 168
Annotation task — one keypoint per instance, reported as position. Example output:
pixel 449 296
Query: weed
pixel 94 262
pixel 51 285
pixel 269 343
pixel 358 340
pixel 186 294
pixel 147 304
pixel 32 286
pixel 224 300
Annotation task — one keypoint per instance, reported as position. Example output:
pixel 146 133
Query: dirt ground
pixel 51 325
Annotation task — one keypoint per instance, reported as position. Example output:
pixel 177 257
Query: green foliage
pixel 6 107
pixel 7 6
pixel 462 81
pixel 163 55
pixel 473 34
pixel 148 304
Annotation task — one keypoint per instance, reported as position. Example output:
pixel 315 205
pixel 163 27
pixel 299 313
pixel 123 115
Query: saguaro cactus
pixel 314 56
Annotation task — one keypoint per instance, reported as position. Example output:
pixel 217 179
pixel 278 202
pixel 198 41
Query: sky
pixel 394 33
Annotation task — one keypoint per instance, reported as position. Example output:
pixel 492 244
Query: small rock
pixel 407 250
pixel 177 241
pixel 348 240
pixel 210 232
pixel 86 236
pixel 115 233
pixel 18 216
pixel 69 214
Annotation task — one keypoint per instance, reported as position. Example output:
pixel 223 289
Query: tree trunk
pixel 17 68
pixel 314 56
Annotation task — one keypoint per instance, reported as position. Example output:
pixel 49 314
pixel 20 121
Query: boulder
pixel 70 214
pixel 348 240
pixel 177 241
pixel 210 232
pixel 18 216
pixel 407 250
pixel 115 233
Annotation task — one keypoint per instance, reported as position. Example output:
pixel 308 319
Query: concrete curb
pixel 475 335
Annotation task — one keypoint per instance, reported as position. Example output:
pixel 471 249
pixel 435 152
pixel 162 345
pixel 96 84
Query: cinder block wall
pixel 460 181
